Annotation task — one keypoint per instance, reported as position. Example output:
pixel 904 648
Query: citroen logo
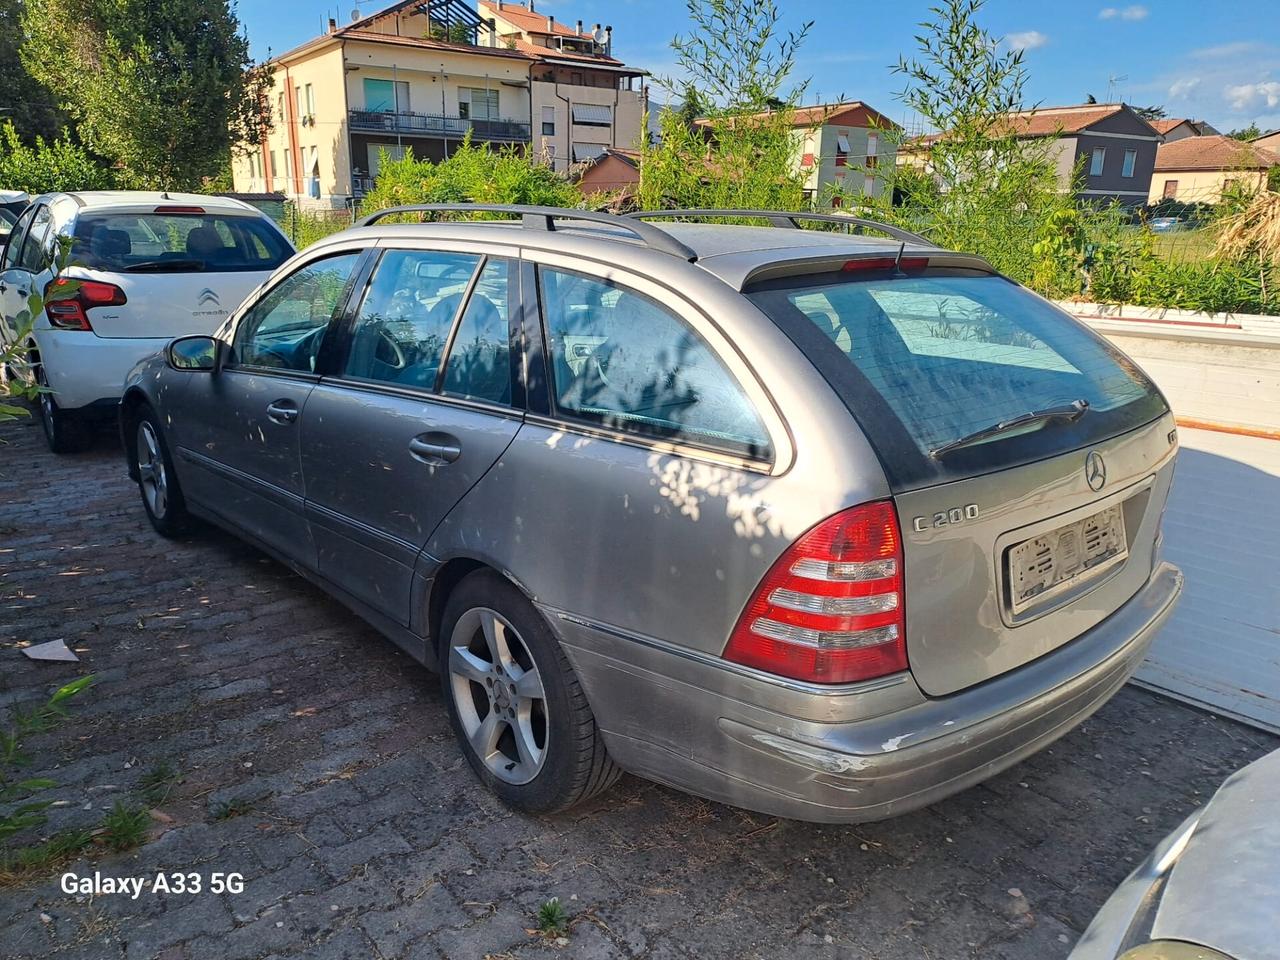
pixel 1095 470
pixel 208 296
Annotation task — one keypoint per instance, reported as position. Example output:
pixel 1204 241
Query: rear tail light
pixel 67 301
pixel 830 610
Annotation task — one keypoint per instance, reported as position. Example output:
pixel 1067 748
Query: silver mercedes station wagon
pixel 818 523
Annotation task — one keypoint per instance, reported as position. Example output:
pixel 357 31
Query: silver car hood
pixel 1224 890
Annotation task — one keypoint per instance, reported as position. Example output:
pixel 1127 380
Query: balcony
pixel 437 125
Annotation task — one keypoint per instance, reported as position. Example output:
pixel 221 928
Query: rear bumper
pixel 849 754
pixel 84 369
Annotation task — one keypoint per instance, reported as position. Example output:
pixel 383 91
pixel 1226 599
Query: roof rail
pixel 788 219
pixel 544 218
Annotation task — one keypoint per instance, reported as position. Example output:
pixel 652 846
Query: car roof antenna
pixel 898 272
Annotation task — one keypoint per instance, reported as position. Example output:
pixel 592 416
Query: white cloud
pixel 1225 51
pixel 1182 87
pixel 1134 12
pixel 1246 96
pixel 1026 40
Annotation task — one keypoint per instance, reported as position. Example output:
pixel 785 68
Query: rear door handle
pixel 282 411
pixel 435 448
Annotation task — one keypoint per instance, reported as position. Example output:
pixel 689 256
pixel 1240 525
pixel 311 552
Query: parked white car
pixel 143 268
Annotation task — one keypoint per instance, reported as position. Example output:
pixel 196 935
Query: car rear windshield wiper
pixel 1067 411
pixel 156 266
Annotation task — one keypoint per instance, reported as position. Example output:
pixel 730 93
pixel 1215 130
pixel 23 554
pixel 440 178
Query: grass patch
pixel 124 827
pixel 158 782
pixel 1181 246
pixel 41 859
pixel 233 807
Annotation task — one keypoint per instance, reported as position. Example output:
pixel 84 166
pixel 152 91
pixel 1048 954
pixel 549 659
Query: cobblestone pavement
pixel 316 760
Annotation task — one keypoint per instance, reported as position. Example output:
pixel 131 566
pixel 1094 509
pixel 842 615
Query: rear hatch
pixel 182 269
pixel 1029 460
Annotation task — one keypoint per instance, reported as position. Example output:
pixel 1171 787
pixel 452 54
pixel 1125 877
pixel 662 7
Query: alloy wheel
pixel 151 473
pixel 499 695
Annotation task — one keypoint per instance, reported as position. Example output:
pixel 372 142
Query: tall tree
pixel 733 144
pixel 24 101
pixel 164 88
pixel 1251 132
pixel 976 184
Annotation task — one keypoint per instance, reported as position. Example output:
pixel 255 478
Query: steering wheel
pixel 387 345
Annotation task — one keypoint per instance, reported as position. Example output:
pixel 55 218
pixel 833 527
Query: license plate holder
pixel 1065 559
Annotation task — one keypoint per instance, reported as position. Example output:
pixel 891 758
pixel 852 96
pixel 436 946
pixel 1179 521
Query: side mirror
pixel 195 353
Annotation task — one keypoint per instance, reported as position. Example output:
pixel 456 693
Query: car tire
pixel 157 480
pixel 64 430
pixel 539 754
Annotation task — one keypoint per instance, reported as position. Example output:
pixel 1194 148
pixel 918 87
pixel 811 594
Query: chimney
pixel 551 24
pixel 499 6
pixel 608 41
pixel 531 10
pixel 492 24
pixel 333 25
pixel 579 28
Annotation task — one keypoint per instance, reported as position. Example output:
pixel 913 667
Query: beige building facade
pixel 398 81
pixel 1205 169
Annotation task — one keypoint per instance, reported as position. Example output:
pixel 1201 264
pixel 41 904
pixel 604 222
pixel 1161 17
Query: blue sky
pixel 1210 59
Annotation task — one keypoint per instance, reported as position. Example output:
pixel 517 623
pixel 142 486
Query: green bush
pixel 47 167
pixel 471 174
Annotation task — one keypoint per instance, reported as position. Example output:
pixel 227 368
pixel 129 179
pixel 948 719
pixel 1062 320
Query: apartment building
pixel 840 148
pixel 1112 146
pixel 420 75
pixel 843 145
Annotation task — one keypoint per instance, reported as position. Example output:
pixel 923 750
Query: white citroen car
pixel 143 268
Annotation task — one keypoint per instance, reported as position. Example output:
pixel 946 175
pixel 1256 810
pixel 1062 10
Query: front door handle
pixel 282 411
pixel 435 448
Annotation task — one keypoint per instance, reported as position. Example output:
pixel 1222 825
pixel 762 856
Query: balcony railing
pixel 437 125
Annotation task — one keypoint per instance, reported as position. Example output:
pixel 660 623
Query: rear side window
pixel 620 359
pixel 402 328
pixel 176 243
pixel 479 366
pixel 926 360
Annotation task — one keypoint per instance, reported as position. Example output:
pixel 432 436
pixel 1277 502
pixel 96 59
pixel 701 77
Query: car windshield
pixel 177 243
pixel 945 355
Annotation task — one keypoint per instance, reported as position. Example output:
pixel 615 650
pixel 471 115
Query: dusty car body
pixel 818 524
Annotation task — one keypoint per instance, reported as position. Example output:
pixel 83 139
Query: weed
pixel 158 782
pixel 124 826
pixel 552 918
pixel 233 807
pixel 41 859
pixel 20 809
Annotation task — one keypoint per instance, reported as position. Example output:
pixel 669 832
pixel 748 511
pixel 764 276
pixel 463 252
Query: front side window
pixel 623 360
pixel 548 121
pixel 1130 161
pixel 34 257
pixel 1098 161
pixel 284 329
pixel 20 230
pixel 479 365
pixel 402 327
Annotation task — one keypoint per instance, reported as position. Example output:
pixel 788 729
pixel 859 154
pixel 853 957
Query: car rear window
pixel 922 361
pixel 176 243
